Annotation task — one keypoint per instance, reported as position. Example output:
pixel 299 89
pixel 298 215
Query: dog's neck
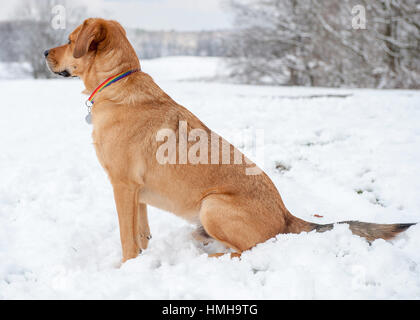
pixel 93 78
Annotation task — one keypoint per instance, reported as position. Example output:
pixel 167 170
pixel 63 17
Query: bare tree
pixel 397 30
pixel 37 32
pixel 313 43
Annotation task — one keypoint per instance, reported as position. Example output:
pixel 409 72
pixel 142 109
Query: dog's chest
pixel 109 151
pixel 100 153
pixel 121 157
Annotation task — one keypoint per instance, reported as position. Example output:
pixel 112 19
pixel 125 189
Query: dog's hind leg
pixel 225 219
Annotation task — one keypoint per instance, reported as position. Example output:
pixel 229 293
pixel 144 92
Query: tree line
pixel 331 43
pixel 326 43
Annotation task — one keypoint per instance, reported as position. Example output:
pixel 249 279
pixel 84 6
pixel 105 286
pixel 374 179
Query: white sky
pixel 153 14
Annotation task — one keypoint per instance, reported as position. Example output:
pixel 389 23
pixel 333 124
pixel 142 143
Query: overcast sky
pixel 153 14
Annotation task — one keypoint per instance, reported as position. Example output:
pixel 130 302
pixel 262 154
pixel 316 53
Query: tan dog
pixel 226 204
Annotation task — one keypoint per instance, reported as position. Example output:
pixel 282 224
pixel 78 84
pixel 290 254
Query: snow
pixel 341 154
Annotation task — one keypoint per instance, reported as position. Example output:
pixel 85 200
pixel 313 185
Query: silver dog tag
pixel 88 118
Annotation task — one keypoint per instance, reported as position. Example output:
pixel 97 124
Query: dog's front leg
pixel 127 207
pixel 143 226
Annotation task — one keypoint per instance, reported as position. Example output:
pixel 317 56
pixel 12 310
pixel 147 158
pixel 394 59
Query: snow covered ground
pixel 340 154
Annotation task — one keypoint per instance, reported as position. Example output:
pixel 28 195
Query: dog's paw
pixel 144 240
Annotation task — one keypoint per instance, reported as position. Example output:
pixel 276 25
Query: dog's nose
pixel 46 52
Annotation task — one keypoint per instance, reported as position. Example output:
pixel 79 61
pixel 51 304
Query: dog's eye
pixel 69 42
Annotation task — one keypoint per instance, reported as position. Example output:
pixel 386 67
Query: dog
pixel 237 209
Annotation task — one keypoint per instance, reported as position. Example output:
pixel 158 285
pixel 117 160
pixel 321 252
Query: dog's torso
pixel 124 136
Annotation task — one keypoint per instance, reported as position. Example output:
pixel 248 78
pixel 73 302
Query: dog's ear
pixel 119 26
pixel 91 33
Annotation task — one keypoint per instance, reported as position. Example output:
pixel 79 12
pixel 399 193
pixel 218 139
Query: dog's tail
pixel 369 231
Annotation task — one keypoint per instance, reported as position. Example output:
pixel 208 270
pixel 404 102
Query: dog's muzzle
pixel 63 73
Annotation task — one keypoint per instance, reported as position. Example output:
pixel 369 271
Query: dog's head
pixel 97 45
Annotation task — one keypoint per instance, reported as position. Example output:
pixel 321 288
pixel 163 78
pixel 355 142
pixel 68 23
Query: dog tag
pixel 88 118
